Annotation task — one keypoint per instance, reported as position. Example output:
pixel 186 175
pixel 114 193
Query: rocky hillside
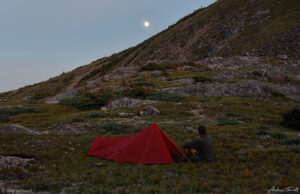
pixel 233 67
pixel 258 40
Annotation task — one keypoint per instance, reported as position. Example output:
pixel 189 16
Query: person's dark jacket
pixel 204 147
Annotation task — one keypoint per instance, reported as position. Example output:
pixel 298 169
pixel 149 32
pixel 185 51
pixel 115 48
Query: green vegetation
pixel 7 112
pixel 150 94
pixel 254 145
pixel 87 101
pixel 201 78
pixel 92 115
pixel 142 82
pixel 292 118
pixel 57 167
pixel 116 128
pixel 226 121
pixel 291 141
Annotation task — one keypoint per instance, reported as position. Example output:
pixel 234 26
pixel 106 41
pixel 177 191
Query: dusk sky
pixel 40 39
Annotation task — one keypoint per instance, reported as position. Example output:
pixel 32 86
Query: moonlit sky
pixel 40 39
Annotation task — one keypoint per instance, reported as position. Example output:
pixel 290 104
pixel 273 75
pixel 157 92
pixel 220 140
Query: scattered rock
pixel 69 129
pixel 229 75
pixel 260 147
pixel 203 118
pixel 282 57
pixel 5 107
pixel 124 114
pixel 290 91
pixel 243 88
pixel 126 102
pixel 121 73
pixel 265 137
pixel 153 72
pixel 8 162
pixel 230 63
pixel 15 128
pixel 188 68
pixel 149 111
pixel 190 129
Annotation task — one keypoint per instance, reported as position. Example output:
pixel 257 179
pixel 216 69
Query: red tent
pixel 150 146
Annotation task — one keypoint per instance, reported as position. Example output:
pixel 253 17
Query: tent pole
pixel 189 161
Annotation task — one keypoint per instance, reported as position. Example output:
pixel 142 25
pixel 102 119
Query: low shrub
pixel 139 92
pixel 76 119
pixel 150 94
pixel 277 94
pixel 291 141
pixel 291 119
pixel 278 135
pixel 263 132
pixel 86 101
pixel 116 128
pixel 6 113
pixel 240 117
pixel 43 185
pixel 226 121
pixel 201 78
pixel 95 115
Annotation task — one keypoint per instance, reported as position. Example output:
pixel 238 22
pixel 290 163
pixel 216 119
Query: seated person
pixel 200 150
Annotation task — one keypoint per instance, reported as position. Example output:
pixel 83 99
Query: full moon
pixel 146 24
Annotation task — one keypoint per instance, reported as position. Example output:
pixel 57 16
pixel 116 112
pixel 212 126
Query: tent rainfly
pixel 150 146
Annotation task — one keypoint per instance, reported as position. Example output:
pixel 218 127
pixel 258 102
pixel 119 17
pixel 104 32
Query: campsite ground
pixel 253 152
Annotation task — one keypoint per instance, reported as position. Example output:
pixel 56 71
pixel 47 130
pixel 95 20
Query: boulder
pixel 264 137
pixel 282 57
pixel 8 162
pixel 70 129
pixel 188 68
pixel 149 111
pixel 15 128
pixel 124 114
pixel 127 102
pixel 189 129
pixel 290 91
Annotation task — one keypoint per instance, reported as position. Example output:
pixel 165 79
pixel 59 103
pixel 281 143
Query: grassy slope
pixel 240 166
pixel 284 15
pixel 61 161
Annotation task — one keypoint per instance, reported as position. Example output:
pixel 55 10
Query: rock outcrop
pixel 15 128
pixel 149 111
pixel 70 129
pixel 127 102
pixel 8 162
